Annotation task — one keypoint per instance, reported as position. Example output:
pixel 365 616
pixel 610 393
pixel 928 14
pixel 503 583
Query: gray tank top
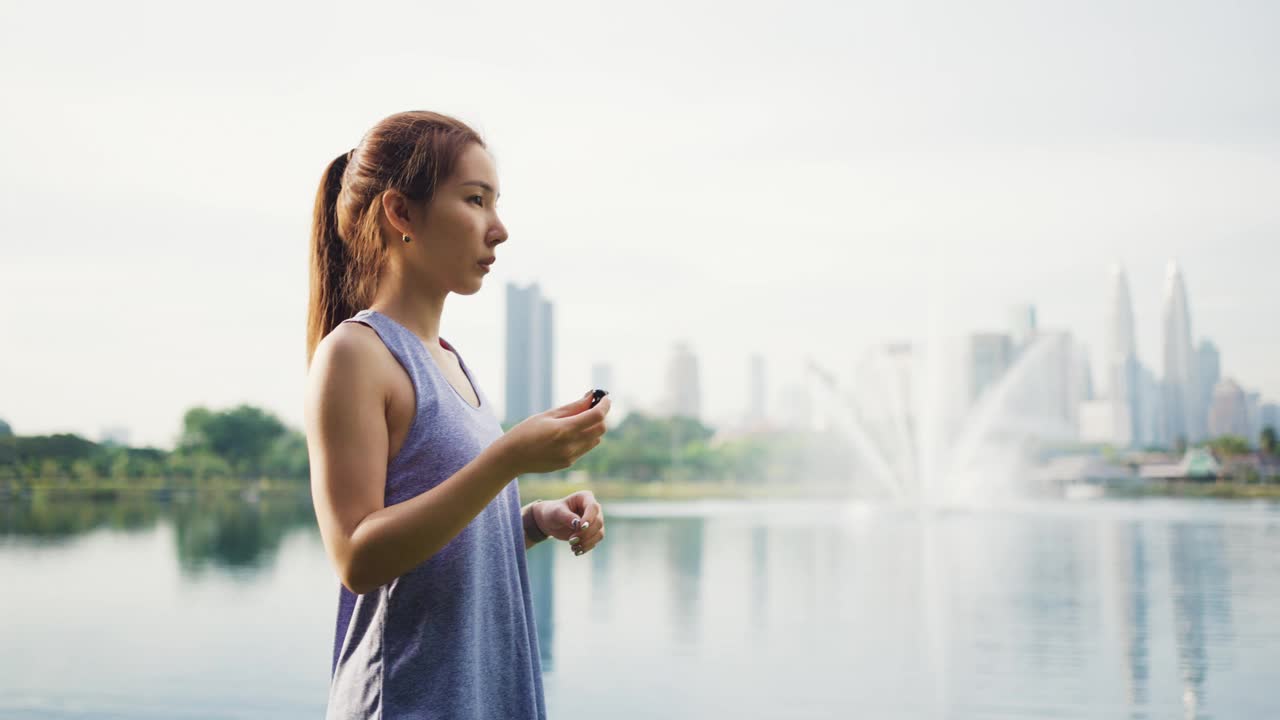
pixel 455 636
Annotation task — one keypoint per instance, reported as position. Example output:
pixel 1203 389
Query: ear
pixel 397 210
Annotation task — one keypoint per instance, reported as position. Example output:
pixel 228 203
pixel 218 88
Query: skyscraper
pixel 1022 326
pixel 1182 419
pixel 1208 373
pixel 683 391
pixel 529 352
pixel 1269 416
pixel 1120 316
pixel 1253 413
pixel 1151 425
pixel 989 356
pixel 1121 364
pixel 1229 415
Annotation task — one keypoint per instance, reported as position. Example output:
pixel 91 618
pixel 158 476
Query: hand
pixel 576 518
pixel 555 439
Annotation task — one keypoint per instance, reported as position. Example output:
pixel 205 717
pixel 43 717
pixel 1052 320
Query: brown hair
pixel 409 152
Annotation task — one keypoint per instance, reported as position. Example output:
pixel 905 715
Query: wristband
pixel 531 529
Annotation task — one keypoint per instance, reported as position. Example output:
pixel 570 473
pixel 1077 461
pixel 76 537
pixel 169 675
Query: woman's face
pixel 456 239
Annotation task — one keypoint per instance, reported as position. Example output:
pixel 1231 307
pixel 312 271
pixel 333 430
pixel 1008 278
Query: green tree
pixel 286 459
pixel 1267 440
pixel 5 430
pixel 1229 445
pixel 241 436
pixel 84 472
pixel 50 469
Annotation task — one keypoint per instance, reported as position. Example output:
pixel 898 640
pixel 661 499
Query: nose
pixel 497 233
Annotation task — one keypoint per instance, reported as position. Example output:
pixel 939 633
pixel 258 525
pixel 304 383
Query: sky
pixel 799 179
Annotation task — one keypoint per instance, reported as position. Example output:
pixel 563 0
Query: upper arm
pixel 347 437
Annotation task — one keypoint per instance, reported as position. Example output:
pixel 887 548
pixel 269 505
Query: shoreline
pixel 548 489
pixel 530 489
pixel 1191 489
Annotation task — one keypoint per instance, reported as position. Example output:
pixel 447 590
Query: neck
pixel 411 304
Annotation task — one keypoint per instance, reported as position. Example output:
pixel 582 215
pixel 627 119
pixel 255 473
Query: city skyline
pixel 987 353
pixel 818 184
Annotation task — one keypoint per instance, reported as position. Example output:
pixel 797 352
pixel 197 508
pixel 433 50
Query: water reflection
pixel 223 532
pixel 1108 610
pixel 543 590
pixel 1137 618
pixel 1201 605
pixel 684 563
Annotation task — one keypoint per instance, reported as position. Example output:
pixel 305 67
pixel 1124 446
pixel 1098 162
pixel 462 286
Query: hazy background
pixel 794 179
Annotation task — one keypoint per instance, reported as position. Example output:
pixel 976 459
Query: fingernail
pixel 585 526
pixel 574 540
pixel 576 522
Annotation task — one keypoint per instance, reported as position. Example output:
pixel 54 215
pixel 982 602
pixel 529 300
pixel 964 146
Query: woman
pixel 412 477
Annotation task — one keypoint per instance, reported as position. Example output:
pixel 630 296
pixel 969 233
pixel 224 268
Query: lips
pixel 488 261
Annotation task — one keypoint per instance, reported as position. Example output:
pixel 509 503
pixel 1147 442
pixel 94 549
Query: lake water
pixel 1091 609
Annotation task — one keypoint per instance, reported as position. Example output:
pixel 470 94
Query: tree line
pixel 247 443
pixel 243 443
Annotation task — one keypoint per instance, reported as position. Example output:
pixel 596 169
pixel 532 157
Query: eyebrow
pixel 484 185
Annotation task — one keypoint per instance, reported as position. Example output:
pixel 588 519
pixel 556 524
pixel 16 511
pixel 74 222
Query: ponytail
pixel 330 303
pixel 407 152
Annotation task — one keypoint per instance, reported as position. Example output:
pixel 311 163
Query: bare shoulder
pixel 351 359
pixel 349 346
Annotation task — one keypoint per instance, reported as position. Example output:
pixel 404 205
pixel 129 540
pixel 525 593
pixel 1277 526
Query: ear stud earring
pixel 406 238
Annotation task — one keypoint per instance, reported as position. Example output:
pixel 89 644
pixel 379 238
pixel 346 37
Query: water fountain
pixel 917 437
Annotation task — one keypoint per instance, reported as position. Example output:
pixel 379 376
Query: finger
pixel 585 419
pixel 584 504
pixel 561 518
pixel 597 430
pixel 593 433
pixel 592 513
pixel 590 540
pixel 574 408
pixel 582 449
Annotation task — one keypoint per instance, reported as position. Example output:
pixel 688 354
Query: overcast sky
pixel 790 178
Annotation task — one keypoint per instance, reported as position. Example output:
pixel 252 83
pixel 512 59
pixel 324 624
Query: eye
pixel 479 198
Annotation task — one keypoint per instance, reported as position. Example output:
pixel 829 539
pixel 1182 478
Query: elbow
pixel 352 575
pixel 356 584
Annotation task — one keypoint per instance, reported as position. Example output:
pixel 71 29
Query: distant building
pixel 1269 416
pixel 1183 418
pixel 1208 373
pixel 1228 415
pixel 530 358
pixel 683 386
pixel 1022 326
pixel 1196 464
pixel 1066 385
pixel 1253 415
pixel 989 356
pixel 1121 365
pixel 1150 425
pixel 1084 373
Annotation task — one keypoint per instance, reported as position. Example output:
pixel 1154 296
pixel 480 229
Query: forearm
pixel 391 541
